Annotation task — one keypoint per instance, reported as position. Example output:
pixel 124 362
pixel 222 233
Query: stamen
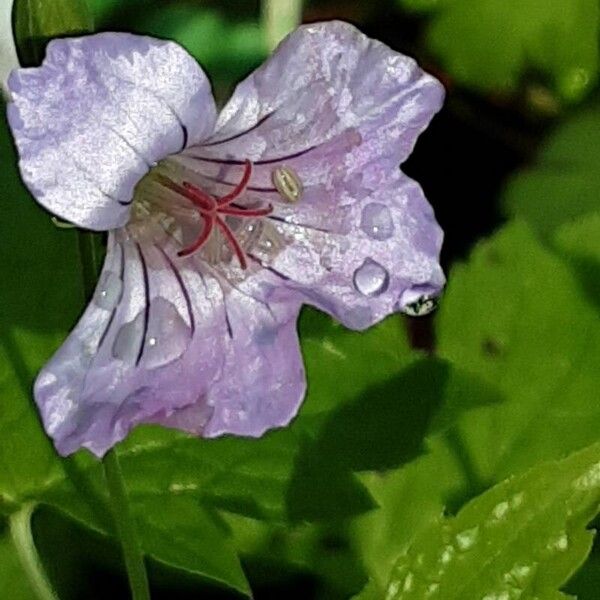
pixel 246 212
pixel 239 252
pixel 192 193
pixel 239 188
pixel 211 207
pixel 202 199
pixel 202 238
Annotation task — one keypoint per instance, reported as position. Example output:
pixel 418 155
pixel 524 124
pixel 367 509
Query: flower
pixel 222 226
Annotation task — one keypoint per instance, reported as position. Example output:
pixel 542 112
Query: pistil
pixel 213 210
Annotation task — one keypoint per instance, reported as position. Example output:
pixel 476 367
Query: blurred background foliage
pixel 439 457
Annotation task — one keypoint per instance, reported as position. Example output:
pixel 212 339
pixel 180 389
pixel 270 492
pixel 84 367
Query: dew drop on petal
pixel 168 335
pixel 376 221
pixel 416 304
pixel 128 340
pixel 108 291
pixel 371 279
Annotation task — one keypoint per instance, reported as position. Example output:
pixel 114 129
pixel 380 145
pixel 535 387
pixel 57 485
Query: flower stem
pixel 279 17
pixel 20 530
pixel 132 552
pixel 90 256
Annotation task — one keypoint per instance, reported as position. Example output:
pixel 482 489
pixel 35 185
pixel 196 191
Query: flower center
pixel 165 196
pixel 213 209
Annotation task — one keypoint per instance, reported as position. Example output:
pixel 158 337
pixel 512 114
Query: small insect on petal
pixel 288 183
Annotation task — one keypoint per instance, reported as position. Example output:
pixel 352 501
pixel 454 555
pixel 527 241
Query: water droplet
pixel 589 480
pixel 325 262
pixel 344 245
pixel 517 500
pixel 376 221
pixel 408 582
pixel 447 555
pixel 128 340
pixel 499 596
pixel 168 335
pixel 250 228
pixel 519 575
pixel 466 539
pixel 393 590
pixel 416 304
pixel 371 279
pixel 108 291
pixel 178 487
pixel 560 543
pixel 500 510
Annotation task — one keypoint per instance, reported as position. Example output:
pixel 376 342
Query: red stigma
pixel 213 211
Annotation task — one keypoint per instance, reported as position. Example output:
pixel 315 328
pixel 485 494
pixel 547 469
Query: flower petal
pixel 376 256
pixel 263 383
pixel 97 114
pixel 342 109
pixel 163 342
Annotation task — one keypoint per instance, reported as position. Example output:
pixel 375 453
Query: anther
pixel 287 183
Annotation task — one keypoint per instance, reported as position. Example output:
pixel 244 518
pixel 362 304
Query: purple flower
pixel 222 226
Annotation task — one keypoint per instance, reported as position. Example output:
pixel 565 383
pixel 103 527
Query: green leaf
pixel 247 476
pixel 564 182
pixel 579 243
pixel 515 317
pixel 38 21
pixel 491 44
pixel 179 533
pixel 275 553
pixel 409 499
pixel 522 538
pixel 384 427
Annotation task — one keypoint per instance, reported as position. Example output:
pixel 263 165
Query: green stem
pixel 20 530
pixel 132 552
pixel 90 255
pixel 279 17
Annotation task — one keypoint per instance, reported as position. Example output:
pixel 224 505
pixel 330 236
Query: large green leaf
pixel 178 532
pixel 408 500
pixel 383 428
pixel 523 538
pixel 491 44
pixel 564 181
pixel 515 316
